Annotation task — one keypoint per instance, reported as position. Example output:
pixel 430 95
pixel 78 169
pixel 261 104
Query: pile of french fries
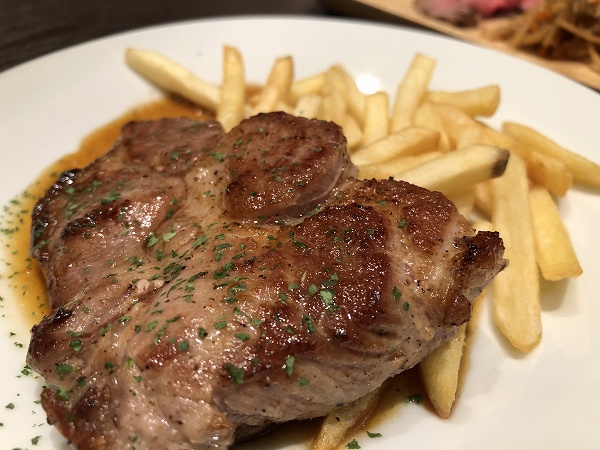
pixel 506 180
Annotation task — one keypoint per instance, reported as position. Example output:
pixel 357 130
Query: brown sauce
pixel 23 274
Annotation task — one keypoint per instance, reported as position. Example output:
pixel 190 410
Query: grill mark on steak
pixel 177 306
pixel 282 167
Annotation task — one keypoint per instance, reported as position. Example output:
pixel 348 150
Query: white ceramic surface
pixel 548 399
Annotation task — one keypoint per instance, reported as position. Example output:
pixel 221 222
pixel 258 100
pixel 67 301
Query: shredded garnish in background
pixel 555 29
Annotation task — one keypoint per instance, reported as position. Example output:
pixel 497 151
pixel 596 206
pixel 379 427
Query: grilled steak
pixel 469 12
pixel 205 285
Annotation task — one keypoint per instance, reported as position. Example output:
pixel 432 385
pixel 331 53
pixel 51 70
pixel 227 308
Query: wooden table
pixel 32 28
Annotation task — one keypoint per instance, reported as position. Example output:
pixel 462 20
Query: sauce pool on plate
pixel 25 278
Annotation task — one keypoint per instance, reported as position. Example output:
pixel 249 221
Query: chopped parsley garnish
pixel 327 296
pixel 76 344
pixel 308 323
pixel 236 373
pixel 183 346
pixel 112 197
pixel 220 325
pixel 168 236
pixel 396 293
pixel 289 365
pixel 242 336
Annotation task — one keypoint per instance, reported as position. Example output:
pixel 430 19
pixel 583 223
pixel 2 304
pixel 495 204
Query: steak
pixel 206 285
pixel 469 12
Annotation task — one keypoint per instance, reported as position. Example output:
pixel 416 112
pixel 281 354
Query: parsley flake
pixel 396 293
pixel 289 365
pixel 353 444
pixel 236 373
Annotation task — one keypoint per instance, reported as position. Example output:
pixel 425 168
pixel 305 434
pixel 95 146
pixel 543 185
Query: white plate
pixel 548 399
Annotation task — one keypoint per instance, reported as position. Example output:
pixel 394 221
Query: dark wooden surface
pixel 32 28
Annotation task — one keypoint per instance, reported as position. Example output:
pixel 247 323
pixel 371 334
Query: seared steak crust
pixel 184 318
pixel 283 166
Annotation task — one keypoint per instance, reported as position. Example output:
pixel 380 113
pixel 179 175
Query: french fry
pixel 334 91
pixel 464 200
pixel 483 198
pixel 411 91
pixel 453 120
pixel 459 169
pixel 554 252
pixel 426 117
pixel 396 165
pixel 483 225
pixel 482 101
pixel 584 171
pixel 543 169
pixel 277 88
pixel 230 110
pixel 352 131
pixel 283 106
pixel 333 108
pixel 516 292
pixel 376 117
pixel 409 141
pixel 439 373
pixel 307 86
pixel 342 422
pixel 172 77
pixel 355 99
pixel 308 106
pixel 469 134
pixel 334 105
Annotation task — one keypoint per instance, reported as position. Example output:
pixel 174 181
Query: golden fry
pixel 516 292
pixel 439 373
pixel 307 86
pixel 483 198
pixel 334 91
pixel 278 86
pixel 233 93
pixel 469 134
pixel 453 120
pixel 376 117
pixel 356 100
pixel 426 117
pixel 459 169
pixel 342 422
pixel 308 106
pixel 464 200
pixel 482 101
pixel 172 77
pixel 584 171
pixel 411 91
pixel 542 169
pixel 555 255
pixel 395 165
pixel 353 133
pixel 409 141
